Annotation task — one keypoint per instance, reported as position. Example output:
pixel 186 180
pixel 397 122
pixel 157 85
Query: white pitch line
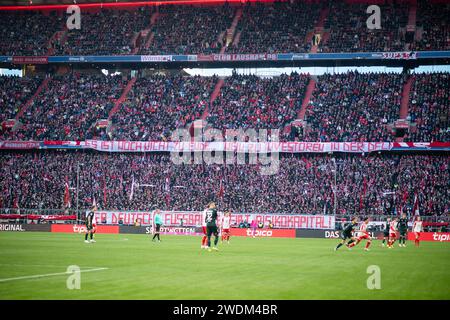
pixel 41 265
pixel 48 275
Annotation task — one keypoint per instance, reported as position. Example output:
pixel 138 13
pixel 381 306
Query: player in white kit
pixel 417 229
pixel 225 226
pixel 392 233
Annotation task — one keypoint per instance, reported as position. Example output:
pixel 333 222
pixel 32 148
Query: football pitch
pixel 121 266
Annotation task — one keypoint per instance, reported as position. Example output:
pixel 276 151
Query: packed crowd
pixel 27 33
pixel 343 107
pixel 429 108
pixel 348 31
pixel 14 93
pixel 159 104
pixel 248 101
pixel 272 29
pixel 353 107
pixel 434 25
pixel 304 183
pixel 190 30
pixel 69 107
pixel 262 28
pixel 108 32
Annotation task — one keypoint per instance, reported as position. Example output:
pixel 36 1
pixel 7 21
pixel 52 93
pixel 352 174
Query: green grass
pixel 246 269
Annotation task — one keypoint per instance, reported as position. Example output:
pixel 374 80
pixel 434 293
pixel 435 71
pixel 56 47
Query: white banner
pixel 194 219
pixel 243 147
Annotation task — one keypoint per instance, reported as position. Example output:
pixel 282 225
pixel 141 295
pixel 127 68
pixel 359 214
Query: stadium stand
pixel 348 32
pixel 343 107
pixel 108 32
pixel 69 107
pixel 279 28
pixel 348 107
pixel 259 103
pixel 197 30
pixel 27 33
pixel 429 109
pixel 14 92
pixel 258 28
pixel 159 104
pixel 433 24
pixel 353 107
pixel 305 183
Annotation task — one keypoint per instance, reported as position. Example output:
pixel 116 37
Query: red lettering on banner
pixel 308 147
pixel 348 146
pixel 241 147
pixel 138 146
pixel 334 146
pixel 175 219
pixel 129 217
pixel 296 222
pixel 290 147
pixel 290 222
pixel 146 219
pixel 285 223
pixel 149 146
pixel 329 225
pixel 276 221
pixel 318 147
pixel 319 222
pixel 94 143
pixel 309 222
pixel 353 146
pixel 302 222
pixel 104 145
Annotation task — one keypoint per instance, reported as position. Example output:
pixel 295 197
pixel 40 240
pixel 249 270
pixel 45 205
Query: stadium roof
pixel 69 2
pixel 63 4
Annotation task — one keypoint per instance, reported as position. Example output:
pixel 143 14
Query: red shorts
pixel 364 236
pixel 226 231
pixel 204 230
pixel 417 234
pixel 392 235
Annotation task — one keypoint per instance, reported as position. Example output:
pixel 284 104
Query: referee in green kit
pixel 158 223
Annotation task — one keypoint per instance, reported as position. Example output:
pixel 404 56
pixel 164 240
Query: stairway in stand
pixel 308 93
pixel 24 108
pixel 122 98
pixel 232 38
pixel 213 97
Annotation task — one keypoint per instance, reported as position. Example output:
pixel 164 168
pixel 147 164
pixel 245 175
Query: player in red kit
pixel 94 230
pixel 363 234
pixel 392 233
pixel 226 222
pixel 204 238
